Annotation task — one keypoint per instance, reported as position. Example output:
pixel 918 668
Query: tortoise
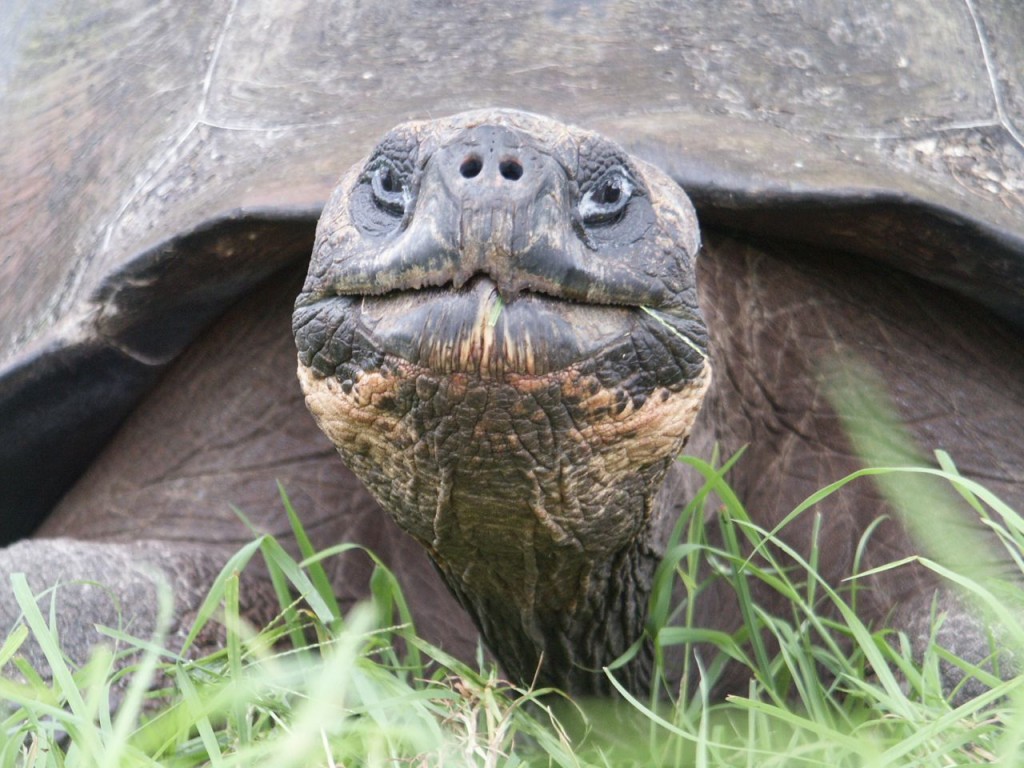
pixel 857 173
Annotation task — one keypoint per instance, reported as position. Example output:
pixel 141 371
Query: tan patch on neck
pixel 354 417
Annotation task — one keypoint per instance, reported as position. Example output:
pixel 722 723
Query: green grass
pixel 321 688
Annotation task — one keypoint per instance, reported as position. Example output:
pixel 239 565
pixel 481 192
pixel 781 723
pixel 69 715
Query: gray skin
pixel 857 172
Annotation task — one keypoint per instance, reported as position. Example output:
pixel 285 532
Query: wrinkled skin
pixel 527 449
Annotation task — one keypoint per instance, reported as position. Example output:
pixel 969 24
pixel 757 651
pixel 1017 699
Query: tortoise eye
pixel 606 200
pixel 389 189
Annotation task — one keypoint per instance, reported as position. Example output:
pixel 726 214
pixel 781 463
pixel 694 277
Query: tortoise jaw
pixel 475 330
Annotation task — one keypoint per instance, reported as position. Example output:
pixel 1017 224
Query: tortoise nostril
pixel 471 167
pixel 511 169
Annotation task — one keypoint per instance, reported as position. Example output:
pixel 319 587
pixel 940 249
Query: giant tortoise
pixel 506 327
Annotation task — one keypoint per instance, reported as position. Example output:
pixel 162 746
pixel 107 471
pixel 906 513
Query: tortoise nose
pixel 490 163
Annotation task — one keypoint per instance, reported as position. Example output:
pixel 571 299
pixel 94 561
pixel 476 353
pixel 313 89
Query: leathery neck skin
pixel 535 497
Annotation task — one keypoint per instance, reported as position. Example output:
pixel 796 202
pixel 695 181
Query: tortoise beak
pixel 511 202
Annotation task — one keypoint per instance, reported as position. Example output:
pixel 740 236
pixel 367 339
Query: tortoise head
pixel 499 331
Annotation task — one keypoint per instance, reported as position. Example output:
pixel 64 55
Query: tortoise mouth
pixel 473 329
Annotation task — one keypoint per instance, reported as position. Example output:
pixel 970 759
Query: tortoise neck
pixel 553 608
pixel 535 496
